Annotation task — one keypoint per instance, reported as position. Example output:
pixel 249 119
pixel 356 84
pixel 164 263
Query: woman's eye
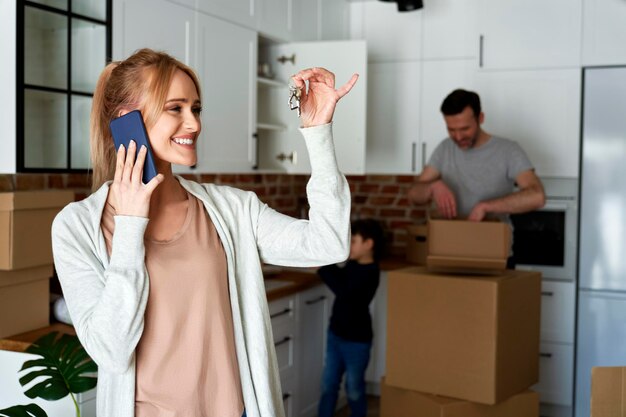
pixel 197 110
pixel 174 109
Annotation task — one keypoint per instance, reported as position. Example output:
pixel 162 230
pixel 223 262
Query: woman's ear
pixel 123 112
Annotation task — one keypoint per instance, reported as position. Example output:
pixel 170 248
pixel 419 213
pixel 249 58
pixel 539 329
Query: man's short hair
pixel 371 229
pixel 458 100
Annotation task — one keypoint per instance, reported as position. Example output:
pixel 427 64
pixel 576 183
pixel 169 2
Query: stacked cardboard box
pixel 467 340
pixel 26 257
pixel 608 391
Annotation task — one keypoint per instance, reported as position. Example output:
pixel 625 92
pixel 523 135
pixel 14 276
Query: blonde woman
pixel 163 280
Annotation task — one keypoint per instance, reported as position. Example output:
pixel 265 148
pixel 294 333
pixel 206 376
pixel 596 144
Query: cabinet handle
pixel 286 395
pixel 293 157
pixel 283 58
pixel 282 342
pixel 547 293
pixel 280 313
pixel 423 155
pixel 481 46
pixel 413 152
pixel 255 138
pixel 315 300
pixel 545 355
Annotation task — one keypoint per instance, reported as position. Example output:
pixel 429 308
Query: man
pixel 472 174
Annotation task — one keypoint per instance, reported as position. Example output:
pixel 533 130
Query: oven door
pixel 545 240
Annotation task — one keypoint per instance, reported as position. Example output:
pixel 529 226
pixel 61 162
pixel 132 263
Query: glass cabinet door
pixel 65 45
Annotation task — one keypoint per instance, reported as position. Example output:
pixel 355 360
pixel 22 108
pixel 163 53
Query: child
pixel 350 331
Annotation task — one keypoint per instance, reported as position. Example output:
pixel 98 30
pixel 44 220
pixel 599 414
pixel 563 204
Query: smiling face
pixel 174 135
pixel 464 128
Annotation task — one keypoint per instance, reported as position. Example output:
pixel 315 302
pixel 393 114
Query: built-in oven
pixel 545 240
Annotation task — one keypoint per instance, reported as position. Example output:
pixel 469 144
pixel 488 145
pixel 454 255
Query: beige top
pixel 186 361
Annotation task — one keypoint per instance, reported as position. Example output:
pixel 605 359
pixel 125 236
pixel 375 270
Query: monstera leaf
pixel 30 410
pixel 63 364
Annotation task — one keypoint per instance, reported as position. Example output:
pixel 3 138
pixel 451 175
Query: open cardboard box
pixel 472 338
pixel 398 402
pixel 464 246
pixel 25 221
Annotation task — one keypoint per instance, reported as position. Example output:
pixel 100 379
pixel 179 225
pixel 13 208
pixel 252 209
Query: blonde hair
pixel 140 82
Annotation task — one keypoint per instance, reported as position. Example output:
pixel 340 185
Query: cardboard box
pixel 417 244
pixel 25 222
pixel 397 402
pixel 24 300
pixel 469 337
pixel 468 247
pixel 608 392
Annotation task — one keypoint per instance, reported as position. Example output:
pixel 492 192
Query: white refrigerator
pixel 601 318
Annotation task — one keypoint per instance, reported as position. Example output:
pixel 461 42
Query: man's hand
pixel 478 212
pixel 444 198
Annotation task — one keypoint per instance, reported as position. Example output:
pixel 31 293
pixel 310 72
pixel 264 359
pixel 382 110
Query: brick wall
pixel 382 197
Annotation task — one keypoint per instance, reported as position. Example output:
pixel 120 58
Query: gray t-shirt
pixel 479 174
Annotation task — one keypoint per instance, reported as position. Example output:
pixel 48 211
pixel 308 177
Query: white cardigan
pixel 106 297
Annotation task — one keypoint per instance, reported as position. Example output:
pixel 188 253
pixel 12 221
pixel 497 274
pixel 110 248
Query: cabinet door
pixel 334 20
pixel 306 20
pixel 237 11
pixel 530 33
pixel 275 19
pixel 440 78
pixel 538 109
pixel 558 309
pixel 132 30
pixel 393 123
pixel 450 29
pixel 343 58
pixel 313 308
pixel 604 32
pixel 372 21
pixel 556 373
pixel 227 63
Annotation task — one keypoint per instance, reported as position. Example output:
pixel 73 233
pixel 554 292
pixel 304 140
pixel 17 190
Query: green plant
pixel 63 364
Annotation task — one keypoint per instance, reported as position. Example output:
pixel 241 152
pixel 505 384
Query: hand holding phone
pixel 131 127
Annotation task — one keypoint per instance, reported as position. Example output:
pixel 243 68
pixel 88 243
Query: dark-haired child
pixel 350 331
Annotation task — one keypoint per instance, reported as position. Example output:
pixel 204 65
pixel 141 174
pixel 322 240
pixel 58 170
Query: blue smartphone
pixel 130 127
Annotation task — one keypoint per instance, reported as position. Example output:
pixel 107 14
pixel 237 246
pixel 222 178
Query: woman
pixel 163 280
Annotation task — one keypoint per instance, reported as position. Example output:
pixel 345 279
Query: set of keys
pixel 294 98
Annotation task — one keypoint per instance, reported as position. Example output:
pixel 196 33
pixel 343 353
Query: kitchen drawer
pixel 283 311
pixel 288 386
pixel 556 374
pixel 284 342
pixel 558 310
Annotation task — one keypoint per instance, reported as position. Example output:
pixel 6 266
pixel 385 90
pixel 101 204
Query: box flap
pixel 465 265
pixel 608 391
pixel 20 200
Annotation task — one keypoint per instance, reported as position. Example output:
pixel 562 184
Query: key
pixel 294 98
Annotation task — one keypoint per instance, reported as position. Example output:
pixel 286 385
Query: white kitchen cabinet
pixel 227 70
pixel 393 122
pixel 520 34
pixel 278 136
pixel 540 110
pixel 390 35
pixel 275 19
pixel 306 22
pixel 334 20
pixel 313 312
pixel 440 78
pixel 604 32
pixel 450 29
pixel 556 373
pixel 558 310
pixel 243 12
pixel 129 35
pixel 225 64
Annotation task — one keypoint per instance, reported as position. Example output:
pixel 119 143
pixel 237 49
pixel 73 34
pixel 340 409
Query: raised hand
pixel 317 105
pixel 444 198
pixel 129 195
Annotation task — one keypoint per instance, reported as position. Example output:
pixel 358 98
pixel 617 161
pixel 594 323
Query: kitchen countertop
pixel 280 284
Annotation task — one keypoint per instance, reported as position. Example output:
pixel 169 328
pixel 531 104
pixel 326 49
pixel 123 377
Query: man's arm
pixel 429 187
pixel 529 197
